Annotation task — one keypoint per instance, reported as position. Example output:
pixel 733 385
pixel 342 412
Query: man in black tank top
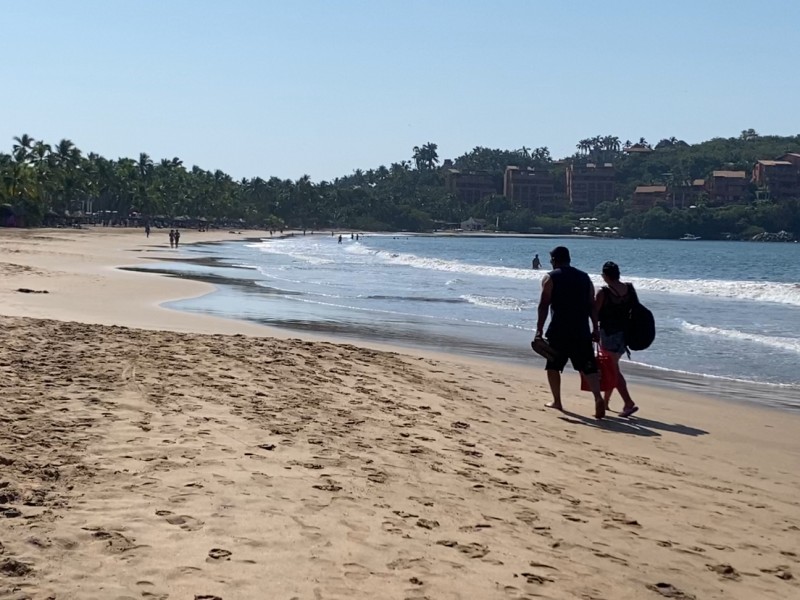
pixel 568 295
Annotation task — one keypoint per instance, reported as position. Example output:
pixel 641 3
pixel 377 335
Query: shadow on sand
pixel 632 425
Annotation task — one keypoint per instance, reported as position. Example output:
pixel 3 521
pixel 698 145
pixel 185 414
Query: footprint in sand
pixel 670 591
pixel 356 572
pixel 114 542
pixel 218 554
pixel 725 571
pixel 472 550
pixel 185 522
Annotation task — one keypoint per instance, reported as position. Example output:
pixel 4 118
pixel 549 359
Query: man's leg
pixel 585 362
pixel 554 379
pixel 599 403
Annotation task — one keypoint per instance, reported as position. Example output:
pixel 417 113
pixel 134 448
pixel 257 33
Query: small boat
pixel 688 237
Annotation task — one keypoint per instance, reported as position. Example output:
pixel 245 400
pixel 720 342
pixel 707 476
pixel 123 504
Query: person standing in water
pixel 536 263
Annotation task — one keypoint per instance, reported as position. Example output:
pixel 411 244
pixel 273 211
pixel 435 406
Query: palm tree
pixel 41 156
pixel 426 156
pixel 66 160
pixel 22 147
pixel 542 155
pixel 144 171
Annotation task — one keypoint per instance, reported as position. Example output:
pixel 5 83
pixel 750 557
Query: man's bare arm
pixel 544 304
pixel 595 310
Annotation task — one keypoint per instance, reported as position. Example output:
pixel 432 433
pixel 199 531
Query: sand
pixel 146 453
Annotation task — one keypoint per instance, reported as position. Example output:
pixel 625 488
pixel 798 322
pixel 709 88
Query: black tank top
pixel 613 315
pixel 570 304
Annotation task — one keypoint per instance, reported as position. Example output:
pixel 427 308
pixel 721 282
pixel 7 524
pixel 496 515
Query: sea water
pixel 727 313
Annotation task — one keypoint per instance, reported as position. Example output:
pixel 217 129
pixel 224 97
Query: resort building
pixel 638 148
pixel 589 185
pixel 792 157
pixel 646 196
pixel 689 193
pixel 726 187
pixel 779 177
pixel 533 189
pixel 470 187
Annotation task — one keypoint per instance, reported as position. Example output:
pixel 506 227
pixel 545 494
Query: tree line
pixel 43 181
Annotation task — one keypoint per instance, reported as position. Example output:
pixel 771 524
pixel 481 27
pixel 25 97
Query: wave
pixel 440 264
pixel 758 291
pixel 499 303
pixel 273 248
pixel 782 343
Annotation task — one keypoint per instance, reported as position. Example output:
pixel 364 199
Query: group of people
pixel 568 297
pixel 174 238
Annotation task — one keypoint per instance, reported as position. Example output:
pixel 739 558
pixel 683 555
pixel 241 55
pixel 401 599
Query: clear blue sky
pixel 324 87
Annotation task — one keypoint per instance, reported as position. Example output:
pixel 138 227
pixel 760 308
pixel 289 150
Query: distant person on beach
pixel 177 237
pixel 147 230
pixel 536 263
pixel 613 304
pixel 568 296
pixel 340 239
pixel 171 238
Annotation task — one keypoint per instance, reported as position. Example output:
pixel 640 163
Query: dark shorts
pixel 613 342
pixel 578 351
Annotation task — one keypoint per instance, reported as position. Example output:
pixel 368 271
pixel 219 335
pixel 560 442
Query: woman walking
pixel 613 303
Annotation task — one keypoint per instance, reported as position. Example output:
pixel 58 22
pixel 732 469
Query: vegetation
pixel 42 183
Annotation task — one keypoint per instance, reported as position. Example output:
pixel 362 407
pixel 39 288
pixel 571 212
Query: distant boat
pixel 688 237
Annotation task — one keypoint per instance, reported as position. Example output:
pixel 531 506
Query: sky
pixel 268 88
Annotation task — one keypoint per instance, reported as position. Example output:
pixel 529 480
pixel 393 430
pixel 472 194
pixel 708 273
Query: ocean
pixel 727 313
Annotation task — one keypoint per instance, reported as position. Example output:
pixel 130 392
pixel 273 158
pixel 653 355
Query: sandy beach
pixel 147 453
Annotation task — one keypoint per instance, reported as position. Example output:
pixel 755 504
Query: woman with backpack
pixel 613 303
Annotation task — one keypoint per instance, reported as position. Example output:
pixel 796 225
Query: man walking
pixel 568 294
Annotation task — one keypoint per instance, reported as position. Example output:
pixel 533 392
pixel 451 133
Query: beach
pixel 151 453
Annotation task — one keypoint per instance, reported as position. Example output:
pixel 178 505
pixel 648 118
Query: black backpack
pixel 640 330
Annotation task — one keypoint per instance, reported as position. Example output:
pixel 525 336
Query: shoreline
pixel 150 452
pixel 760 394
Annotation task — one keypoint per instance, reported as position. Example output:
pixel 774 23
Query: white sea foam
pixel 499 303
pixel 782 343
pixel 284 250
pixel 759 291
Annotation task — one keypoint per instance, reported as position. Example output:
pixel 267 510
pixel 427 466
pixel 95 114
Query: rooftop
pixel 775 163
pixel 650 189
pixel 731 174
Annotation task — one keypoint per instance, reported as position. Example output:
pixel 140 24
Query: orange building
pixel 470 187
pixel 780 177
pixel 646 196
pixel 531 188
pixel 589 185
pixel 726 187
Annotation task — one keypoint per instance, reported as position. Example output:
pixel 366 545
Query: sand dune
pixel 154 463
